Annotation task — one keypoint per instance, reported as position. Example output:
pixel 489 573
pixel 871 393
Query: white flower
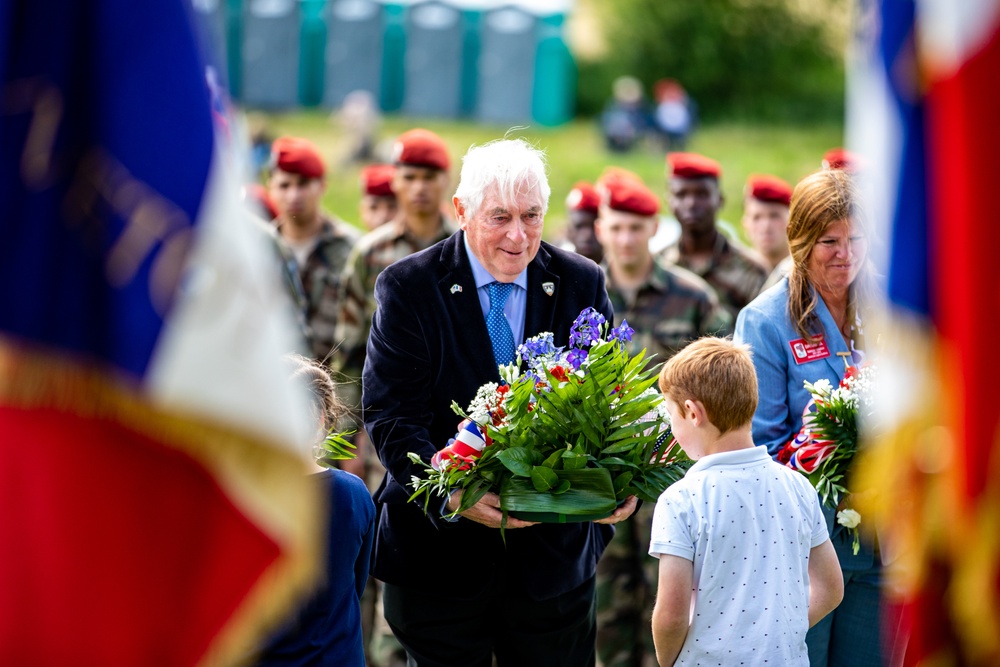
pixel 484 403
pixel 509 373
pixel 844 396
pixel 848 518
pixel 820 387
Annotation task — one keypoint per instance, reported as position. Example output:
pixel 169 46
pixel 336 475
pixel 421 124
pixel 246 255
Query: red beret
pixel 768 188
pixel 376 180
pixel 421 148
pixel 624 191
pixel 297 156
pixel 692 165
pixel 841 158
pixel 583 197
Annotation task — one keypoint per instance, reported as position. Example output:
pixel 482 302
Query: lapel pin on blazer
pixel 550 288
pixel 456 288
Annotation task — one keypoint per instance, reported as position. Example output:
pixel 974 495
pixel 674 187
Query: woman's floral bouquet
pixel 825 446
pixel 567 438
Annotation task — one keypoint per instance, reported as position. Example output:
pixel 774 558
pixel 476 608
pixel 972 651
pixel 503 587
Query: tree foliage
pixel 737 58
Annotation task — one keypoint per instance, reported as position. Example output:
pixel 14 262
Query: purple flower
pixel 586 329
pixel 576 357
pixel 623 333
pixel 537 346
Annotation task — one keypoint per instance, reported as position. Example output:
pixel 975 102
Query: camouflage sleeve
pixel 352 329
pixel 715 319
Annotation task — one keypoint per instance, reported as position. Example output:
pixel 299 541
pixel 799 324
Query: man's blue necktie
pixel 496 323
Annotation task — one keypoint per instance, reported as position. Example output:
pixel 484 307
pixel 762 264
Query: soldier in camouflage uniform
pixel 420 182
pixel 766 202
pixel 319 242
pixel 695 198
pixel 668 307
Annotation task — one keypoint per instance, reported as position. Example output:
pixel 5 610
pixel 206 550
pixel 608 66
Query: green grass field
pixel 576 152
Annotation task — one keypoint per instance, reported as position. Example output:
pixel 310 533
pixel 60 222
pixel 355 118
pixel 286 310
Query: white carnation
pixel 848 518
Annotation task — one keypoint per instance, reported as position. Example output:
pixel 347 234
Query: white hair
pixel 506 167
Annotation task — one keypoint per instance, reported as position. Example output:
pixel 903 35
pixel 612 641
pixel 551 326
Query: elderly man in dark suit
pixel 455 593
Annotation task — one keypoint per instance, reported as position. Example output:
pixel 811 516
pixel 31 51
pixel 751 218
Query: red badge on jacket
pixel 805 351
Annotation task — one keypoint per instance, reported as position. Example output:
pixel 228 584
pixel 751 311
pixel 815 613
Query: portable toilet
pixel 433 62
pixel 270 53
pixel 354 46
pixel 506 65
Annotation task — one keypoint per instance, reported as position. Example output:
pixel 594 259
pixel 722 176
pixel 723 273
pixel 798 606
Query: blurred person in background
pixel 260 144
pixel 766 200
pixel 668 306
pixel 765 219
pixel 841 158
pixel 262 215
pixel 582 204
pixel 675 114
pixel 359 118
pixel 319 242
pixel 378 201
pixel 625 120
pixel 420 181
pixel 696 198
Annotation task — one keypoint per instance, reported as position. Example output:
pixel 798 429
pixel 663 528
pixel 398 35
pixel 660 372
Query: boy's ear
pixel 697 410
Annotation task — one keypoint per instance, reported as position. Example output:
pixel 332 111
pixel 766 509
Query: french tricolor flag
pixel 470 440
pixel 924 107
pixel 467 445
pixel 152 509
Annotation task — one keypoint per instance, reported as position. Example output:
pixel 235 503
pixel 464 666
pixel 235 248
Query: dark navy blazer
pixel 428 347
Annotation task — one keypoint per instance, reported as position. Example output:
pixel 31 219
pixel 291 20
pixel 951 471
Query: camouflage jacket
pixel 375 251
pixel 320 278
pixel 290 278
pixel 734 273
pixel 669 310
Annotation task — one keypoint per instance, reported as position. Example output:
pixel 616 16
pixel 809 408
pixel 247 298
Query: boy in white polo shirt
pixel 746 563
